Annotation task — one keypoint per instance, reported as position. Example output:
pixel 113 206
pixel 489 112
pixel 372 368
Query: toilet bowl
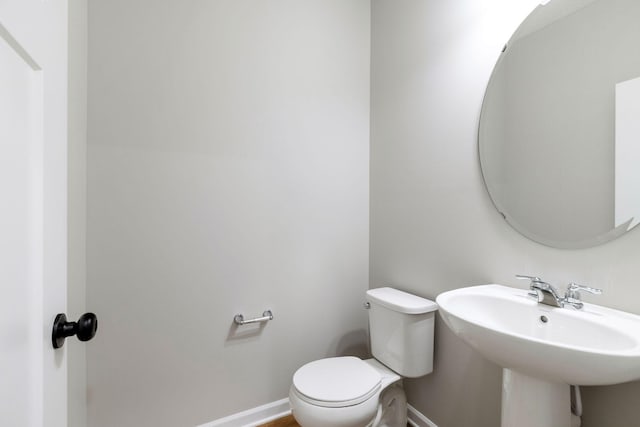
pixel 343 392
pixel 351 392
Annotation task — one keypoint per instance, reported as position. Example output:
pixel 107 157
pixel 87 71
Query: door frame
pixel 39 28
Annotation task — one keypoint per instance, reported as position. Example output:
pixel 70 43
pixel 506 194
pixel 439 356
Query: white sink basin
pixel 592 346
pixel 543 349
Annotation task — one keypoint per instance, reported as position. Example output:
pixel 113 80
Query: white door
pixel 32 211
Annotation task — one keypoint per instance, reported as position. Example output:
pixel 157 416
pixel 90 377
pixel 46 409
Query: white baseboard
pixel 416 419
pixel 280 408
pixel 254 417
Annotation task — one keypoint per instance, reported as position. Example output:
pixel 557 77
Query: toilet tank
pixel 401 329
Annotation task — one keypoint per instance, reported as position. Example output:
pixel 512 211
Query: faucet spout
pixel 545 292
pixel 548 293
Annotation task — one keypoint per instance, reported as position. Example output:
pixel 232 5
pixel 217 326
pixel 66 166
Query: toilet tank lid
pixel 400 301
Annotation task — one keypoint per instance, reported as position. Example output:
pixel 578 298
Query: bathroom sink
pixel 592 346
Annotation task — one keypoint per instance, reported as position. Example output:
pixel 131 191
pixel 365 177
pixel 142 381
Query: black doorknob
pixel 85 328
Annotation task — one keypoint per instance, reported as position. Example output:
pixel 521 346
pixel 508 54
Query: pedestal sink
pixel 542 348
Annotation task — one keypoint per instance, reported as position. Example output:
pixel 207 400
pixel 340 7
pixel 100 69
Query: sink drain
pixel 544 319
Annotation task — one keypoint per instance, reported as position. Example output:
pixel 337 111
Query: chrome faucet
pixel 546 293
pixel 542 291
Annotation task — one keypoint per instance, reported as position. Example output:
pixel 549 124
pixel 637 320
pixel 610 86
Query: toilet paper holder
pixel 266 316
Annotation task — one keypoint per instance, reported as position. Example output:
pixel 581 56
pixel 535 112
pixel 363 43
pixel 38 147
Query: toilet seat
pixel 336 382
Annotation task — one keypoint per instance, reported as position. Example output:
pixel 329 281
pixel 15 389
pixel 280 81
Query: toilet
pixel 351 392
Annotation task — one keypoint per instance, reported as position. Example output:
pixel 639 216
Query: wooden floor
pixel 287 421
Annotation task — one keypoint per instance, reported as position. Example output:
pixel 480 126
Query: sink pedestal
pixel 532 402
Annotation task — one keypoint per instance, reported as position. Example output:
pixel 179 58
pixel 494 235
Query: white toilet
pixel 350 392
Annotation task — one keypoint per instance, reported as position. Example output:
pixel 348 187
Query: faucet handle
pixel 573 290
pixel 532 278
pixel 537 283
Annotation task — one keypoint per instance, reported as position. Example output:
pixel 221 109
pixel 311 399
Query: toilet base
pixel 392 407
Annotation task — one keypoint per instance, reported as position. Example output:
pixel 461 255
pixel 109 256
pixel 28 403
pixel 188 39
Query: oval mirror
pixel 560 123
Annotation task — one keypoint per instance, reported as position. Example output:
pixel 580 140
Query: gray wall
pixel 433 226
pixel 228 173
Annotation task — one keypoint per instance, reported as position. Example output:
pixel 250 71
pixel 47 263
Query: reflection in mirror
pixel 560 123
